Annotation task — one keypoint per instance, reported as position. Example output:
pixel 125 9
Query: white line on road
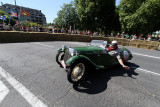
pixel 146 71
pixel 3 91
pixel 44 45
pixel 146 55
pixel 79 43
pixel 30 97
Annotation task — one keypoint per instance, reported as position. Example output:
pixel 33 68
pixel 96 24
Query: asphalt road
pixel 30 76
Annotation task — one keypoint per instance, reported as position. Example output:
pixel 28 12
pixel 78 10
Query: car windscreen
pixel 97 42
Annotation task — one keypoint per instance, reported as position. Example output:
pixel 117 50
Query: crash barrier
pixel 14 37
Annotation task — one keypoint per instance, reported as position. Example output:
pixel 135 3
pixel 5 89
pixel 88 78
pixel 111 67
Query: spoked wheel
pixel 59 57
pixel 76 72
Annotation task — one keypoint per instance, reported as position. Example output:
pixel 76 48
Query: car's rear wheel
pixel 76 72
pixel 59 57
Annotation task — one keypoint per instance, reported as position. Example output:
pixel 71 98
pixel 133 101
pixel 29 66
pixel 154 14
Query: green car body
pixel 94 55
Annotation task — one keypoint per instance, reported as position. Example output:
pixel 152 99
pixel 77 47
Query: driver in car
pixel 113 50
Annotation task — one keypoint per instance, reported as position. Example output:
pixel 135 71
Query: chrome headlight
pixel 72 52
pixel 64 47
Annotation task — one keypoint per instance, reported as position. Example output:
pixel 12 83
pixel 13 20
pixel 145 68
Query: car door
pixel 105 59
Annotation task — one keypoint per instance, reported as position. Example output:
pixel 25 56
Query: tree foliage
pixel 131 16
pixel 67 16
pixel 140 16
pixel 27 23
pixel 96 14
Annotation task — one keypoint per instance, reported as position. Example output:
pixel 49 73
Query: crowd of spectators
pixel 148 37
pixel 52 29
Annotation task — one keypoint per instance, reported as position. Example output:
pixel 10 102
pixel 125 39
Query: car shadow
pixel 96 80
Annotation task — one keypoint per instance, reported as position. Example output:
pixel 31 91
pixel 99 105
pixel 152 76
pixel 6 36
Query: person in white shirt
pixel 113 50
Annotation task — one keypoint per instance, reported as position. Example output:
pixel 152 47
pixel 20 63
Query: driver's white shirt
pixel 115 53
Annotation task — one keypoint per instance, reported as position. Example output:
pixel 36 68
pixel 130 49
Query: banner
pixel 7 16
pixel 3 18
pixel 23 12
pixel 13 14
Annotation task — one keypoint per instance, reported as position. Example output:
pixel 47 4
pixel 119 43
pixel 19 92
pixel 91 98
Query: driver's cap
pixel 114 42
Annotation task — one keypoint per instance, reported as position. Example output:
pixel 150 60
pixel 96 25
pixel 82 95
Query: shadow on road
pixel 96 81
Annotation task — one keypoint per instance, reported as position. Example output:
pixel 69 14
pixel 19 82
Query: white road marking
pixel 146 55
pixel 45 45
pixel 147 71
pixel 3 91
pixel 79 43
pixel 30 97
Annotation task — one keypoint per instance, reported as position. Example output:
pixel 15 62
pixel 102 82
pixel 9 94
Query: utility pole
pixel 15 2
pixel 17 11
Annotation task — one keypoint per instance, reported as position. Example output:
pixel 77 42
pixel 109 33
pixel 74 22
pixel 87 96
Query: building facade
pixel 36 16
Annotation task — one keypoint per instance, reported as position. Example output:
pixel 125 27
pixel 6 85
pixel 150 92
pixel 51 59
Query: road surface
pixel 30 77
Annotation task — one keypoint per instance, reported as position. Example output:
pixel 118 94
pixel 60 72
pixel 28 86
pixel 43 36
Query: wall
pixel 14 37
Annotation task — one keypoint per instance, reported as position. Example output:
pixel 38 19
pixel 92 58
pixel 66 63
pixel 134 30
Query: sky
pixel 49 8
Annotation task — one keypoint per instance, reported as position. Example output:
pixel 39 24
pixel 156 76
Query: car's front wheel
pixel 76 72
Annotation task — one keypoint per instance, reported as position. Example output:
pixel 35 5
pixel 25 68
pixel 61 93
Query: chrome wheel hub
pixel 78 72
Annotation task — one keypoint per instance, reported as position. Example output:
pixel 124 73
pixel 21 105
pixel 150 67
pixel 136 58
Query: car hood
pixel 87 48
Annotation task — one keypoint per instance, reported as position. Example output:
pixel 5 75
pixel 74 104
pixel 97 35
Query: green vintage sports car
pixel 78 60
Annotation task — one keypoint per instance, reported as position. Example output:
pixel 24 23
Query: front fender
pixel 62 49
pixel 59 50
pixel 73 59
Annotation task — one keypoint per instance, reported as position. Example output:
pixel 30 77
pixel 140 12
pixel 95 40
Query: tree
pixel 27 23
pixel 66 17
pixel 140 16
pixel 96 14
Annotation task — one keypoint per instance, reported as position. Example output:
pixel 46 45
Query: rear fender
pixel 123 55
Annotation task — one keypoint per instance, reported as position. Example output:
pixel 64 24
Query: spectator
pixel 24 28
pixel 127 36
pixel 50 29
pixel 111 34
pixel 122 35
pixel 55 30
pixel 62 30
pixel 134 37
pixel 41 29
pixel 156 38
pixel 140 37
pixel 5 27
pixel 28 28
pixel 149 38
pixel 118 35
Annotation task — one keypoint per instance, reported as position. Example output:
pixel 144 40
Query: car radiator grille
pixel 66 55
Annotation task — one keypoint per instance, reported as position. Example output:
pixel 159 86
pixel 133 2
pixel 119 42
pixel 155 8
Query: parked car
pixel 78 60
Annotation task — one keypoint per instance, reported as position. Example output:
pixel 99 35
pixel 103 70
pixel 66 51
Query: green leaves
pixel 139 16
pixel 96 15
pixel 67 16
